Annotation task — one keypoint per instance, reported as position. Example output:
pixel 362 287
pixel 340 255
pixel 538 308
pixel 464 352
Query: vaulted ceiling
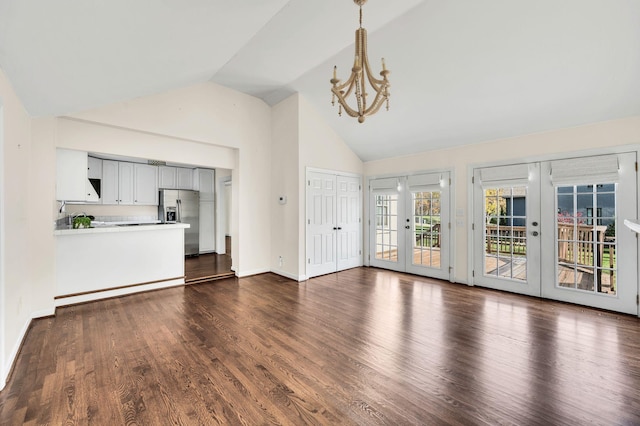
pixel 462 71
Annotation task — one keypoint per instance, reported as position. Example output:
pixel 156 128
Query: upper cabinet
pixel 175 178
pixel 129 183
pixel 185 178
pixel 145 179
pixel 72 177
pixel 167 177
pixel 94 169
pixel 117 182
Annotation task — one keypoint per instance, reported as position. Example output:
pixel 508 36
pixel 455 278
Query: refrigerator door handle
pixel 179 209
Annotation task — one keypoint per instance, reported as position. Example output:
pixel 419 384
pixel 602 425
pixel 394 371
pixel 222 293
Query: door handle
pixel 407 227
pixel 535 233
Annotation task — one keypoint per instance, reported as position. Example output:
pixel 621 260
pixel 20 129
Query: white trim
pixel 333 172
pixel 294 277
pixel 3 310
pixel 251 272
pixel 72 300
pixel 6 368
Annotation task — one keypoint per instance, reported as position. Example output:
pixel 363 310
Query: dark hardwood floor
pixel 208 267
pixel 363 346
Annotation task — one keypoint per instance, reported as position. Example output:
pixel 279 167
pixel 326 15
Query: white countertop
pixel 114 227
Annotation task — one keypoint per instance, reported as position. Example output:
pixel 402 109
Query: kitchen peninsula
pixel 108 261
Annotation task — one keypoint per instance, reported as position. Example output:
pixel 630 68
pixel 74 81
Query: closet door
pixel 334 223
pixel 321 223
pixel 348 222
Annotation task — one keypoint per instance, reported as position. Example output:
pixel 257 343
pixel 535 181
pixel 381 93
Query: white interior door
pixel 321 223
pixel 334 223
pixel 507 228
pixel 349 222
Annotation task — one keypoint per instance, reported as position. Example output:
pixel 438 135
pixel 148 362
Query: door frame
pixel 455 216
pixel 542 158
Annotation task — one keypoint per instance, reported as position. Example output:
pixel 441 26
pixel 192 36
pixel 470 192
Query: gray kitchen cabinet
pixel 184 178
pixel 207 227
pixel 117 182
pixel 94 168
pixel 167 177
pixel 145 178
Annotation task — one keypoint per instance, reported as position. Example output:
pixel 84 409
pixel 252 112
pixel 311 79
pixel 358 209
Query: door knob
pixel 407 227
pixel 534 223
pixel 534 233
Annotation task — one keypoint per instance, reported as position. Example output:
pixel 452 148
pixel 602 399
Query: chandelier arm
pixel 350 111
pixel 376 105
pixel 349 85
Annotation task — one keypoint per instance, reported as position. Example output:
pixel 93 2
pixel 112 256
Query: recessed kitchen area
pixel 129 224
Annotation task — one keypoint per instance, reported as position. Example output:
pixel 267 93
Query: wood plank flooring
pixel 363 346
pixel 207 267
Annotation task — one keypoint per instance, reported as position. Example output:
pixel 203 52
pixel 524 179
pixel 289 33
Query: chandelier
pixel 357 82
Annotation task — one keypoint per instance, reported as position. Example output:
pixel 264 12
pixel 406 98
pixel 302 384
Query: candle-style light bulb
pixel 384 66
pixel 335 69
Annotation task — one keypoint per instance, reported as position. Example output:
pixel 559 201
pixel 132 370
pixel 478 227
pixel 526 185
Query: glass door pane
pixel 427 230
pixel 386 231
pixel 586 237
pixel 505 232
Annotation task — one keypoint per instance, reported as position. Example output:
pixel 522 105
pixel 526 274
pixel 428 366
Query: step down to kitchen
pixel 200 280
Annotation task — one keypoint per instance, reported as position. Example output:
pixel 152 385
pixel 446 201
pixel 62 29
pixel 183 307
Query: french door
pixel 409 224
pixel 507 228
pixel 552 229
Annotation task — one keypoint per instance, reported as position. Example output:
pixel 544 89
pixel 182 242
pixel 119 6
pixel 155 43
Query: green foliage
pixel 81 222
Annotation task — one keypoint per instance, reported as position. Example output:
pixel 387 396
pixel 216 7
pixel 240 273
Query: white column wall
pixel 589 138
pixel 285 218
pixel 21 289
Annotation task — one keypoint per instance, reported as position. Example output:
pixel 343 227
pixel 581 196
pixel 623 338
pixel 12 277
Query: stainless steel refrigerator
pixel 182 206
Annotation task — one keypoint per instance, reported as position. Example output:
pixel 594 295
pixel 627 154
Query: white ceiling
pixel 462 71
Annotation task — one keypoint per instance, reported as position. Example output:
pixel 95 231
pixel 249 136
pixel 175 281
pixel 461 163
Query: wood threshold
pixel 64 296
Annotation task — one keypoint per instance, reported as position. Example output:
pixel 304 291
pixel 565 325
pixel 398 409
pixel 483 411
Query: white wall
pixel 223 210
pixel 285 243
pixel 22 275
pixel 205 125
pixel 528 148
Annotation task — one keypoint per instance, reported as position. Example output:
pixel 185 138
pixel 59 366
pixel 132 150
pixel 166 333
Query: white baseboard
pixel 294 277
pixel 6 369
pixel 44 313
pixel 252 272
